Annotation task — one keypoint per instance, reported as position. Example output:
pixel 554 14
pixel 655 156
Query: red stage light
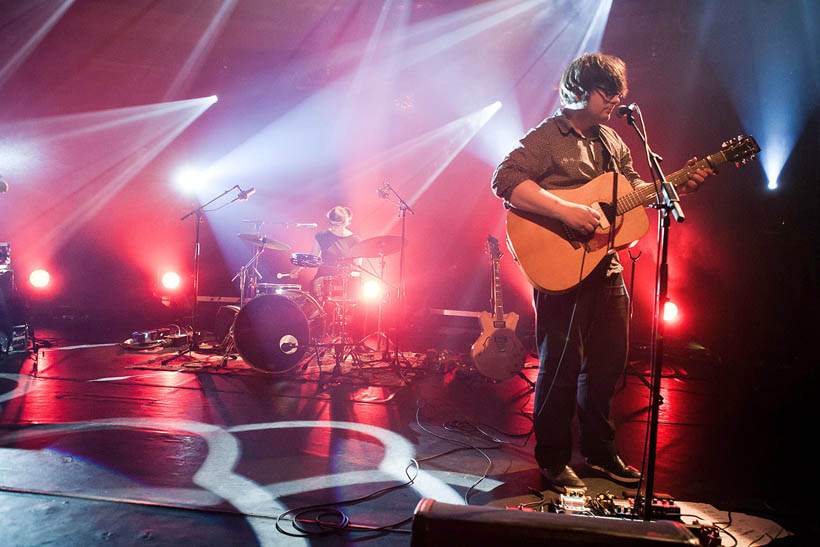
pixel 39 278
pixel 171 280
pixel 670 311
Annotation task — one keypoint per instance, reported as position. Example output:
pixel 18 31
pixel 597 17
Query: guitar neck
pixel 647 195
pixel 498 303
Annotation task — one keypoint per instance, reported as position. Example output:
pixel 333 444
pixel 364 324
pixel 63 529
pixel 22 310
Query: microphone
pixel 382 190
pixel 306 225
pixel 245 194
pixel 626 110
pixel 4 186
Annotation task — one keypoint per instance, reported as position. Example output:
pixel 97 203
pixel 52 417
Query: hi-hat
pixel 264 241
pixel 376 246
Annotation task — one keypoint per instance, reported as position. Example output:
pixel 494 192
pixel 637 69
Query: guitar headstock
pixel 740 149
pixel 493 248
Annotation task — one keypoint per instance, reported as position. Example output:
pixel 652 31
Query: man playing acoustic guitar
pixel 582 333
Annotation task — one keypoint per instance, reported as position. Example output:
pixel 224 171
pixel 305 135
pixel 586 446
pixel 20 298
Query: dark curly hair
pixel 589 71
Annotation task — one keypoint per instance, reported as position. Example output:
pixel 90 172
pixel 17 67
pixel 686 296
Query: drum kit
pixel 276 323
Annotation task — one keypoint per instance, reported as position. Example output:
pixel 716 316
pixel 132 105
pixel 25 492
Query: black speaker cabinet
pixel 9 315
pixel 7 302
pixel 436 523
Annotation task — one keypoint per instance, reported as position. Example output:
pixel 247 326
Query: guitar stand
pixel 524 377
pixel 628 367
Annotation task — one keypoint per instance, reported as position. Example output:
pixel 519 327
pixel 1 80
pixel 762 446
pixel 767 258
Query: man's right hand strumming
pixel 579 218
pixel 529 196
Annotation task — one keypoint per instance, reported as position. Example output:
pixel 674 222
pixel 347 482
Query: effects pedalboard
pixel 165 337
pixel 576 502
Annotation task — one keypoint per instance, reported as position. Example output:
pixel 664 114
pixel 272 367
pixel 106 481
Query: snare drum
pixel 276 288
pixel 273 331
pixel 305 260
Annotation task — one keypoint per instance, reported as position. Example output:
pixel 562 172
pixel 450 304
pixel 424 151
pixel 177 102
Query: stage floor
pixel 102 445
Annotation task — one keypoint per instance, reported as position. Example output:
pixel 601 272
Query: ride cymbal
pixel 376 246
pixel 264 241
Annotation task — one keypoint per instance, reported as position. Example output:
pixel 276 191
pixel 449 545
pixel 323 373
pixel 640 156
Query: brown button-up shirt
pixel 555 155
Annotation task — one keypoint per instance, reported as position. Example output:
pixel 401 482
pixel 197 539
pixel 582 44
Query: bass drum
pixel 272 332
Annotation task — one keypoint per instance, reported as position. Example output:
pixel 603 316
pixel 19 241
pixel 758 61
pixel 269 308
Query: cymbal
pixel 264 241
pixel 376 246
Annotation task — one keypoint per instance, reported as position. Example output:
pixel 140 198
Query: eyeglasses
pixel 609 97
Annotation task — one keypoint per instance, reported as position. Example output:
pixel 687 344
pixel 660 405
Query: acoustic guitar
pixel 498 353
pixel 555 259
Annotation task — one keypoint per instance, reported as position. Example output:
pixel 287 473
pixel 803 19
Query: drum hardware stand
pixel 668 205
pixel 341 343
pixel 193 343
pixel 247 284
pixel 403 209
pixel 379 334
pixel 243 276
pixel 229 349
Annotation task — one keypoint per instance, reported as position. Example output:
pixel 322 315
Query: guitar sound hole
pixel 608 210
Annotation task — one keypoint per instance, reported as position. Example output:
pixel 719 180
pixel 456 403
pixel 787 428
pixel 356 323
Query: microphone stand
pixel 668 204
pixel 193 343
pixel 404 208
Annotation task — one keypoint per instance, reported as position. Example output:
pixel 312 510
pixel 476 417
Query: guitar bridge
pixel 572 237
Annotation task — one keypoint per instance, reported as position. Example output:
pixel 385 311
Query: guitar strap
pixel 610 164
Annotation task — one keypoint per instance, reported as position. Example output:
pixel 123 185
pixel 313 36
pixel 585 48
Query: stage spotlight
pixel 670 312
pixel 39 278
pixel 371 289
pixel 171 280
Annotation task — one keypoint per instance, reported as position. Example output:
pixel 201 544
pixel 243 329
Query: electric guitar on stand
pixel 555 259
pixel 498 353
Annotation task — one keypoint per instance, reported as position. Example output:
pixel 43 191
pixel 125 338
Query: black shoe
pixel 615 468
pixel 562 477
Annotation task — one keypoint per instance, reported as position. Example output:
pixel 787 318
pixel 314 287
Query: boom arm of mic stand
pixel 199 209
pixel 402 205
pixel 669 195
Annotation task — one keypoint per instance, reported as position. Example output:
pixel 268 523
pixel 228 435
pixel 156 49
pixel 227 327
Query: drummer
pixel 333 245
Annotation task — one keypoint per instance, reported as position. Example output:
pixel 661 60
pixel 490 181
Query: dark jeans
pixel 591 365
